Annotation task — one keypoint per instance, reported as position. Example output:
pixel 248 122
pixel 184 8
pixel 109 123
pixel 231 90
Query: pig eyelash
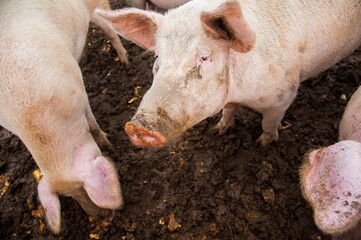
pixel 203 59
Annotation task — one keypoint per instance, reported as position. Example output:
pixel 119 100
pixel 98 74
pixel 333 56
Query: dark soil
pixel 216 187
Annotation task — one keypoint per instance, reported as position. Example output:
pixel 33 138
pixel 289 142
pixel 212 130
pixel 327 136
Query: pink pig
pixel 331 178
pixel 43 101
pixel 220 54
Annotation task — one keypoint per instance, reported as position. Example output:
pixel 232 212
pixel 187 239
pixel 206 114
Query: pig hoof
pixel 221 129
pixel 107 147
pixel 266 138
pixel 223 126
pixel 124 58
pixel 101 139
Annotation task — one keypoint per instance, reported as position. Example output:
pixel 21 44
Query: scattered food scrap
pixel 94 235
pixel 269 195
pixel 39 212
pixel 173 224
pixel 37 175
pixel 6 185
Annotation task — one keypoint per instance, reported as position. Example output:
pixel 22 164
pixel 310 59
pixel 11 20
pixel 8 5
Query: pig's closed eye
pixel 204 59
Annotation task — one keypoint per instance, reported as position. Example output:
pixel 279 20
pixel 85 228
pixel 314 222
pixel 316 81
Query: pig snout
pixel 107 218
pixel 143 137
pixel 330 180
pixel 155 127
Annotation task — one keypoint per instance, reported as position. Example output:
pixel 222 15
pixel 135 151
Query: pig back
pixel 38 66
pixel 317 32
pixel 331 30
pixel 46 24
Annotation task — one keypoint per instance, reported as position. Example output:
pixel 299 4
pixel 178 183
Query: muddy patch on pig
pixel 203 185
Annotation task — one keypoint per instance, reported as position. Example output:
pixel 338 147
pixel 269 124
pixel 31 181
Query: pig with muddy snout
pixel 43 101
pixel 331 178
pixel 217 54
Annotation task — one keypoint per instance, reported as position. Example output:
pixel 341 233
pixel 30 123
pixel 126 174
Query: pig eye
pixel 203 59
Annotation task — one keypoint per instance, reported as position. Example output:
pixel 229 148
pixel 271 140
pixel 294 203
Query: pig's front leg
pixel 102 216
pixel 51 204
pixel 99 136
pixel 272 118
pixel 149 6
pixel 112 36
pixel 137 3
pixel 227 119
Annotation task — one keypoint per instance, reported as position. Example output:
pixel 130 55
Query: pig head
pixel 331 178
pixel 43 101
pixel 218 54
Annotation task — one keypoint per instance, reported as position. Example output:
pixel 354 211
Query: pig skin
pixel 43 101
pixel 219 54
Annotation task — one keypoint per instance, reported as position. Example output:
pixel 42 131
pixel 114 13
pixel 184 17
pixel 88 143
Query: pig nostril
pixel 150 139
pixel 134 136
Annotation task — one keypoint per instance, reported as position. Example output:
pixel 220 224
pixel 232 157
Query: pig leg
pixel 278 105
pixel 270 122
pixel 99 136
pixel 84 55
pixel 227 119
pixel 137 3
pixel 102 216
pixel 112 36
pixel 272 118
pixel 50 202
pixel 152 7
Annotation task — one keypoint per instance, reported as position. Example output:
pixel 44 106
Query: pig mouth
pixel 107 218
pixel 143 137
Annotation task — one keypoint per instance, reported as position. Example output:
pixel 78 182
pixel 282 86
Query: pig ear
pixel 136 25
pixel 50 202
pixel 228 23
pixel 101 183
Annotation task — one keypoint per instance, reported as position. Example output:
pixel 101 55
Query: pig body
pixel 331 178
pixel 219 54
pixel 156 5
pixel 43 101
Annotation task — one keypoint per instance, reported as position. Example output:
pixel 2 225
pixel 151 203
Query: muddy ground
pixel 203 185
